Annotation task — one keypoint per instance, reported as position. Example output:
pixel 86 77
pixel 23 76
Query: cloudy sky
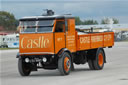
pixel 86 9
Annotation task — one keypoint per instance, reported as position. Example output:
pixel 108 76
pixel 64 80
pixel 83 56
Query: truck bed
pixel 94 40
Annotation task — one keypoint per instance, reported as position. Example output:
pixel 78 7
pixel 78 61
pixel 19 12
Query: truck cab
pixel 47 34
pixel 43 39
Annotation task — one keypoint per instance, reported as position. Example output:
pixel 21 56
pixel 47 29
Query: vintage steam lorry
pixel 52 42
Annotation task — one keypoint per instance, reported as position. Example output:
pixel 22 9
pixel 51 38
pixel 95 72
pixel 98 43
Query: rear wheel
pixel 64 64
pixel 91 65
pixel 99 61
pixel 24 68
pixel 96 62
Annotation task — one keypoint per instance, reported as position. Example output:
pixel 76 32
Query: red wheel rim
pixel 66 64
pixel 100 59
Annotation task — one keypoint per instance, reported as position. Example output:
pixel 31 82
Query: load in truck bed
pixel 94 40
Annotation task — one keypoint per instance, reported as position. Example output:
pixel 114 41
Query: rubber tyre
pixel 61 62
pixel 24 68
pixel 93 60
pixel 91 56
pixel 97 66
pixel 91 65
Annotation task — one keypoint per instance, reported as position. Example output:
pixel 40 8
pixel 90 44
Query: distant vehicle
pixel 12 40
pixel 3 44
pixel 125 34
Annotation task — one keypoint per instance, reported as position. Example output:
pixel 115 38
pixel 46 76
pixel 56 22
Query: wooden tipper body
pixel 94 40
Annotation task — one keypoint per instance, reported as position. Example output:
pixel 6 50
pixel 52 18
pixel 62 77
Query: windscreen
pixel 36 26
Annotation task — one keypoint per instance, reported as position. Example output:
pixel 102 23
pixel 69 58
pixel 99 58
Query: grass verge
pixel 8 48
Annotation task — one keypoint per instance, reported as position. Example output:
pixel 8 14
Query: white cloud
pixel 96 9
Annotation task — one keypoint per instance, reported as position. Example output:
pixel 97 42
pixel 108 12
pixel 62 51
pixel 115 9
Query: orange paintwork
pixel 108 39
pixel 52 43
pixel 66 39
pixel 70 36
pixel 95 40
pixel 59 41
pixel 66 64
pixel 100 59
pixel 85 42
pixel 35 43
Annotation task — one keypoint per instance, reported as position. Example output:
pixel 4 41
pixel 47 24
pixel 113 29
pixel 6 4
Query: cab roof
pixel 30 18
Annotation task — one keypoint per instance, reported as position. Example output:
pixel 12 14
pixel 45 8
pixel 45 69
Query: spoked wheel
pixel 64 64
pixel 24 68
pixel 97 60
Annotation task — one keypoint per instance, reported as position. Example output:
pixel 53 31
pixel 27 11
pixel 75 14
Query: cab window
pixel 39 26
pixel 60 25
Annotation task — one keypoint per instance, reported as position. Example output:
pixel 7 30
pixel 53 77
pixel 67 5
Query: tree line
pixel 78 21
pixel 9 22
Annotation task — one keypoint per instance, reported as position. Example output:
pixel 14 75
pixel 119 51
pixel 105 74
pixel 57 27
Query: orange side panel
pixel 41 43
pixel 70 36
pixel 95 40
pixel 83 42
pixel 108 39
pixel 59 41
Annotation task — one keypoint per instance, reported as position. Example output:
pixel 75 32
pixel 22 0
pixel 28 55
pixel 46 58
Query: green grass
pixel 8 48
pixel 126 41
pixel 122 41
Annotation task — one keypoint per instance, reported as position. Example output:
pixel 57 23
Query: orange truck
pixel 52 42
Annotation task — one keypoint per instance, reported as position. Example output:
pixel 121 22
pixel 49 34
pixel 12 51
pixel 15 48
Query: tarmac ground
pixel 115 71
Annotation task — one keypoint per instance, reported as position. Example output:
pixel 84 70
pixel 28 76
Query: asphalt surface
pixel 115 71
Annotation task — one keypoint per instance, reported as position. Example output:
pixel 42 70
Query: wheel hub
pixel 100 59
pixel 66 64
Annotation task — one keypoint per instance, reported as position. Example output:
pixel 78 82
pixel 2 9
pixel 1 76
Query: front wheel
pixel 23 67
pixel 64 64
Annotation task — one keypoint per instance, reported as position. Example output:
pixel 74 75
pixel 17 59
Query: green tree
pixel 95 22
pixel 107 21
pixel 78 21
pixel 8 21
pixel 102 21
pixel 116 21
pixel 90 22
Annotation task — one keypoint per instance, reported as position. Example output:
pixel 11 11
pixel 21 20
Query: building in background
pixel 9 41
pixel 2 38
pixel 12 40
